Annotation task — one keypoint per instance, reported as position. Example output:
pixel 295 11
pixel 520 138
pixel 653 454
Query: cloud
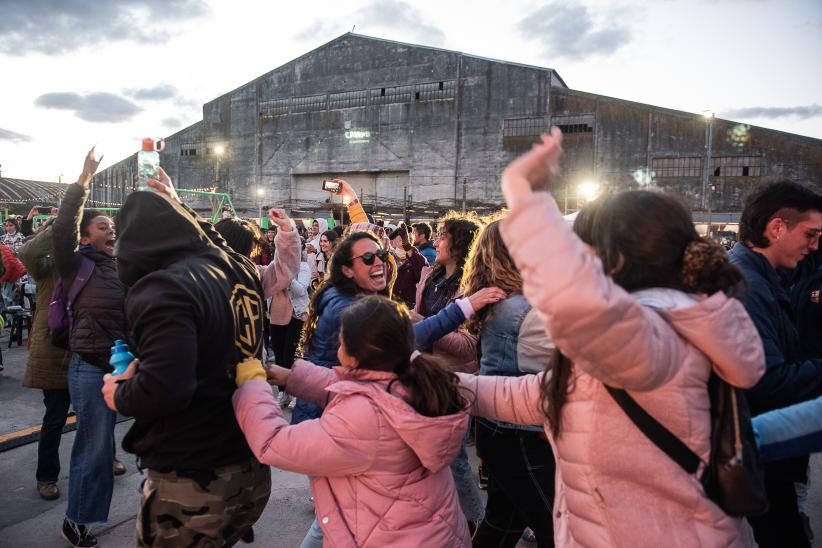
pixel 171 122
pixel 157 93
pixel 64 25
pixel 91 107
pixel 394 15
pixel 801 112
pixel 566 29
pixel 13 136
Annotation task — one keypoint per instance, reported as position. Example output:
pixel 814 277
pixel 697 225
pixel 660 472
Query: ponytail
pixel 433 391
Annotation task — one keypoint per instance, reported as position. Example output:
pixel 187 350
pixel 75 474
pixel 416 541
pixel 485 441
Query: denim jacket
pixel 498 342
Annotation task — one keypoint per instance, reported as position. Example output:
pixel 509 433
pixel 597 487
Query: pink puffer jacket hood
pixel 434 440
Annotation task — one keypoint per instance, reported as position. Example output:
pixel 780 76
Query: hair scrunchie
pixel 414 355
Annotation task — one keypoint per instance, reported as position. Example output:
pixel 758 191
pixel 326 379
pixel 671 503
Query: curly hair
pixel 459 230
pixel 489 265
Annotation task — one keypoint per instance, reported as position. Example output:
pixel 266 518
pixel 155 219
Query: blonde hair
pixel 489 265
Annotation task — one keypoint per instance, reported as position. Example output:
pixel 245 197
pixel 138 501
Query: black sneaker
pixel 77 535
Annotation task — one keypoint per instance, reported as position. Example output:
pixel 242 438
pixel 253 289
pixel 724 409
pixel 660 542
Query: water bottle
pixel 148 163
pixel 120 357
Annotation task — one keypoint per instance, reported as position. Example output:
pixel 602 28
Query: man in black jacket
pixel 194 310
pixel 780 226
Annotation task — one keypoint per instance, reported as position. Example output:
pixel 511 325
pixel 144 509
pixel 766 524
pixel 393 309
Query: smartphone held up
pixel 331 186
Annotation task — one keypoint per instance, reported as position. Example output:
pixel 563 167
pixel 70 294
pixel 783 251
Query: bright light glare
pixel 708 114
pixel 260 191
pixel 219 149
pixel 588 191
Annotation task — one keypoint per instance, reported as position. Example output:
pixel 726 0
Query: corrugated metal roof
pixel 25 192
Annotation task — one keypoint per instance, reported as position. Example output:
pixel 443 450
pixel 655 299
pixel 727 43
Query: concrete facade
pixel 422 129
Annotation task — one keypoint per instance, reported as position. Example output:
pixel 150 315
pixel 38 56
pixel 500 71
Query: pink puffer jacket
pixel 381 470
pixel 620 490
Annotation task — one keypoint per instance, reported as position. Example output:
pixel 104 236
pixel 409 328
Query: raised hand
pixel 534 170
pixel 279 218
pixel 346 191
pixel 90 165
pixel 164 185
pixel 486 296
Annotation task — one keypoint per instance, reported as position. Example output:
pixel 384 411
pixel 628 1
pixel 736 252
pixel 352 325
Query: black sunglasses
pixel 368 257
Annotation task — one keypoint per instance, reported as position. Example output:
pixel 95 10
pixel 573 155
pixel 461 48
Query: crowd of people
pixel 398 346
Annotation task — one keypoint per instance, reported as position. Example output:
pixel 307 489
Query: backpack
pixel 61 315
pixel 733 477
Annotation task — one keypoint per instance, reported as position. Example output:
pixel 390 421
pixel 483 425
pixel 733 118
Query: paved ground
pixel 28 521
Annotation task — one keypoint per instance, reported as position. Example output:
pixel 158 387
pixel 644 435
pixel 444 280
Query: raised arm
pixel 66 232
pixel 285 266
pixel 596 323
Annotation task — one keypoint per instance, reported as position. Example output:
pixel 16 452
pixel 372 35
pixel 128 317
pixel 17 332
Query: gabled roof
pixel 24 191
pixel 386 41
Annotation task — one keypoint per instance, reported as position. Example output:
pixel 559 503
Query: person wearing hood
pixel 657 327
pixel 195 308
pixel 84 238
pixel 379 456
pixel 312 248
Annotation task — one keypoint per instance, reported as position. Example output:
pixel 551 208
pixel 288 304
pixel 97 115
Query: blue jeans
pixel 91 477
pixel 467 488
pixel 314 536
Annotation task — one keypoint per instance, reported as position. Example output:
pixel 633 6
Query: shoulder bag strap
pixel 654 431
pixel 80 280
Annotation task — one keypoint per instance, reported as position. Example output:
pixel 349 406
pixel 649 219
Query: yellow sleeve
pixel 357 213
pixel 249 370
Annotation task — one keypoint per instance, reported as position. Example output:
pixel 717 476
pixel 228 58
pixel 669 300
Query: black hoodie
pixel 194 309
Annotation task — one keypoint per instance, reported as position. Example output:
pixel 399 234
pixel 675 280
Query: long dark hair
pixel 378 332
pixel 242 236
pixel 644 239
pixel 460 230
pixel 337 279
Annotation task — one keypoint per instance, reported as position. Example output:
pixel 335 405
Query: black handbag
pixel 733 478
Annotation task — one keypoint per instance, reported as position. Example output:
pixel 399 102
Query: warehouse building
pixel 418 130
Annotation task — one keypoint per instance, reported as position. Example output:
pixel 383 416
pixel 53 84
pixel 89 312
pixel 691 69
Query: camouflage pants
pixel 212 509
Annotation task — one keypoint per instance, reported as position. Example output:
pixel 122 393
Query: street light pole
pixel 707 189
pixel 260 194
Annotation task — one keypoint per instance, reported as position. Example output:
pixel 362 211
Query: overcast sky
pixel 76 72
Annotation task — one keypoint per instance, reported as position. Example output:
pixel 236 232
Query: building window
pixel 524 127
pixel 575 128
pixel 435 90
pixel 277 107
pixel 396 94
pixel 677 167
pixel 348 99
pixel 737 166
pixel 308 103
pixel 188 149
